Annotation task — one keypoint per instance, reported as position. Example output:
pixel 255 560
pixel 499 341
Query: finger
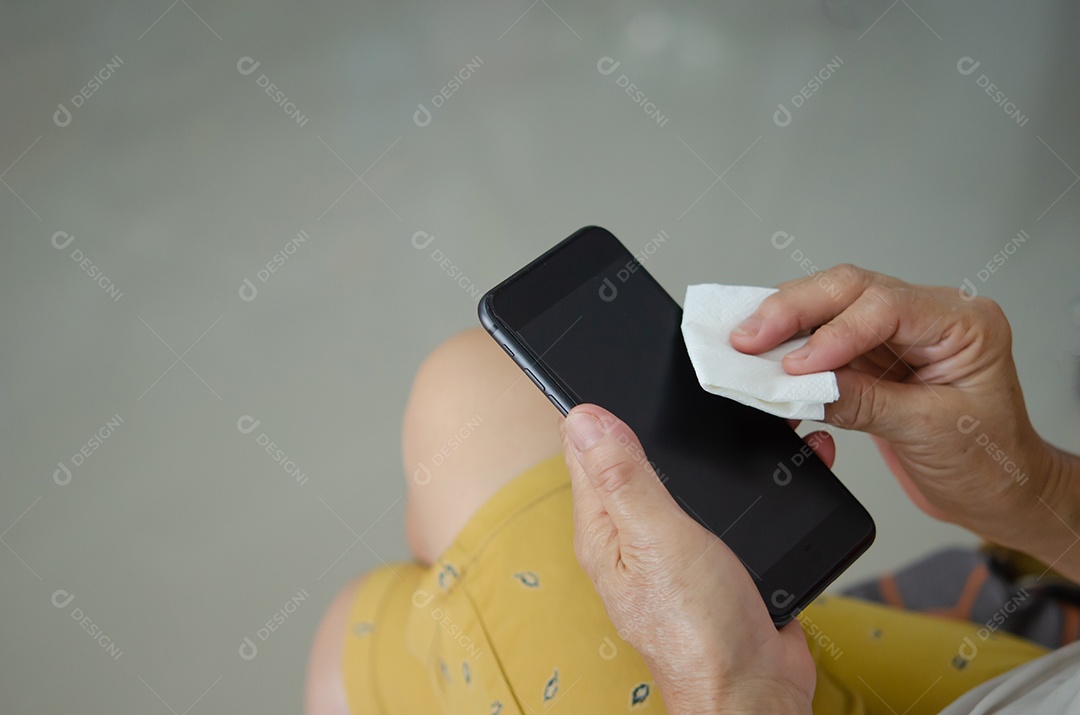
pixel 803 304
pixel 595 537
pixel 587 504
pixel 892 410
pixel 823 445
pixel 615 465
pixel 881 363
pixel 900 317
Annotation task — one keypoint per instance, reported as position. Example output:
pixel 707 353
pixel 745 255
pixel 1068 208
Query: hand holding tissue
pixel 710 313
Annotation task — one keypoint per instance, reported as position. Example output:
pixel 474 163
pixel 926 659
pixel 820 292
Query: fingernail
pixel 584 430
pixel 800 354
pixel 748 328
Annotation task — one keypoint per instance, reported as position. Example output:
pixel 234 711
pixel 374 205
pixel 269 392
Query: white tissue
pixel 710 313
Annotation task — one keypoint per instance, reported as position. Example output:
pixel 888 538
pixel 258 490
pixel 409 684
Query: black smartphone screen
pixel 607 333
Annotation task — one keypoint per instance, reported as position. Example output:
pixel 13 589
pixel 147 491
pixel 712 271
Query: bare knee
pixel 472 422
pixel 325 687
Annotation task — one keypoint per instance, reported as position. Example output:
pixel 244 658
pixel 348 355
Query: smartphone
pixel 588 324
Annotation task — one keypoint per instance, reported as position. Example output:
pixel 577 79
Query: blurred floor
pixel 151 175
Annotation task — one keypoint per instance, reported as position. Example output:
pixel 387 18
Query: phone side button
pixel 533 378
pixel 556 403
pixel 508 350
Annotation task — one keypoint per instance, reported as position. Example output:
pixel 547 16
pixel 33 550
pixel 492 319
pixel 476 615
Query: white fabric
pixel 710 313
pixel 1049 685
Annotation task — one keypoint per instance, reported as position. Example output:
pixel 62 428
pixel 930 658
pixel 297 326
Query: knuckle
pixel 837 330
pixel 868 408
pixel 877 408
pixel 995 321
pixel 880 294
pixel 886 302
pixel 988 308
pixel 848 274
pixel 864 407
pixel 774 305
pixel 909 298
pixel 612 471
pixel 782 310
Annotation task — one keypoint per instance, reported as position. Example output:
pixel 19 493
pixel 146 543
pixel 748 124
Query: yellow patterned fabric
pixel 507 623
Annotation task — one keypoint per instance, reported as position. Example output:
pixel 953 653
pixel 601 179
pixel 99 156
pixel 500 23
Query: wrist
pixel 767 698
pixel 747 697
pixel 1046 521
pixel 1059 519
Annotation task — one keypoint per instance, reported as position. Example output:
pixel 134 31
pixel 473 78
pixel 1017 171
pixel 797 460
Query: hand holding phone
pixel 673 591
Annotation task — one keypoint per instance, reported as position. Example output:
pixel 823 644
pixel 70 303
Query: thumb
pixel 890 410
pixel 615 466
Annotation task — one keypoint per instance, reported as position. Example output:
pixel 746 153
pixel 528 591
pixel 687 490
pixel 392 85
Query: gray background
pixel 180 177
